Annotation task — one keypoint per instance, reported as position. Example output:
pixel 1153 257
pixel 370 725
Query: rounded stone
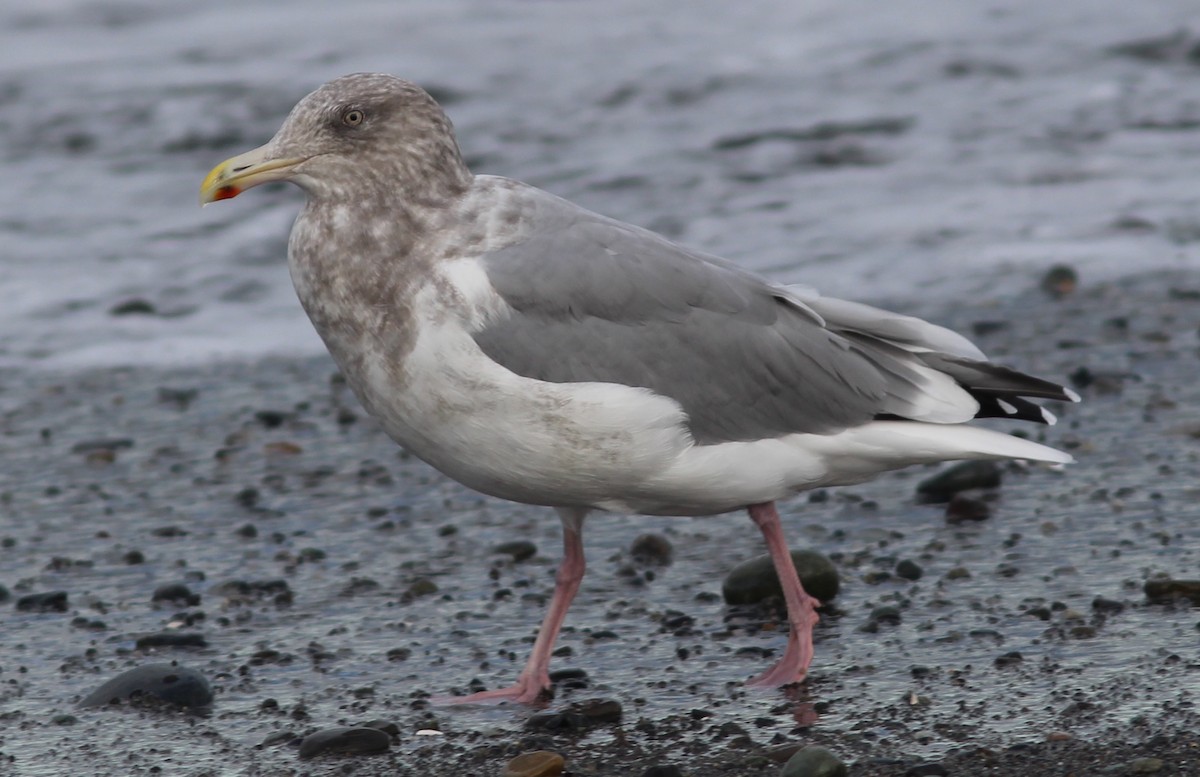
pixel 169 684
pixel 963 476
pixel 814 762
pixel 345 740
pixel 539 763
pixel 755 580
pixel 652 550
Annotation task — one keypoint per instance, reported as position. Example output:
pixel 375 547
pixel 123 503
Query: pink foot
pixel 523 692
pixel 801 607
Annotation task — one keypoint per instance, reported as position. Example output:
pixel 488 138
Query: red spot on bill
pixel 227 193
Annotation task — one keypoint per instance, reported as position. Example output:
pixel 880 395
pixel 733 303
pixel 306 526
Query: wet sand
pixel 117 482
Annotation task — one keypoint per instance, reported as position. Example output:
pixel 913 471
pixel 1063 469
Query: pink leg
pixel 801 607
pixel 535 678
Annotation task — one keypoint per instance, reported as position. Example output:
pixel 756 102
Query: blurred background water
pixel 907 150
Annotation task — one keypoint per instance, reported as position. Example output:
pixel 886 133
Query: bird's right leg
pixel 534 680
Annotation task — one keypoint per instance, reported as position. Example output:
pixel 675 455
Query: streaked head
pixel 362 131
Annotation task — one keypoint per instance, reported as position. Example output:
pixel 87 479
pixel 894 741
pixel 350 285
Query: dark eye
pixel 352 117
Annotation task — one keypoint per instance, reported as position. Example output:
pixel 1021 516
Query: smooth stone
pixel 345 740
pixel 1060 281
pixel 755 580
pixel 175 593
pixel 666 770
pixel 813 762
pixel 909 570
pixel 1145 766
pixel 597 711
pixel 518 549
pixel 171 639
pixel 50 601
pixel 539 763
pixel 1166 590
pixel 959 477
pixel 962 508
pixel 652 550
pixel 168 683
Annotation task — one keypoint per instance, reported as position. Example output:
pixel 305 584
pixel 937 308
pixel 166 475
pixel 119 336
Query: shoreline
pixel 396 591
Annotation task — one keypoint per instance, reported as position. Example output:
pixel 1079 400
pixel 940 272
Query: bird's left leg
pixel 535 678
pixel 801 607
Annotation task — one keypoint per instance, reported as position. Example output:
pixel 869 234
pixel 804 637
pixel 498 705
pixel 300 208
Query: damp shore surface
pixel 334 580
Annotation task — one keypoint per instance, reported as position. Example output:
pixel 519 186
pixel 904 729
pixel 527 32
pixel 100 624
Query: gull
pixel 541 353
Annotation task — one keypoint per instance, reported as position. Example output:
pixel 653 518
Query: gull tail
pixel 860 453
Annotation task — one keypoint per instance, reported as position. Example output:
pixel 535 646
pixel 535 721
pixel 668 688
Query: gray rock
pixel 813 762
pixel 169 684
pixel 345 740
pixel 959 477
pixel 755 580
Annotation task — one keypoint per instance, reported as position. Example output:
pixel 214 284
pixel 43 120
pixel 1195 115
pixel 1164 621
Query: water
pixel 972 146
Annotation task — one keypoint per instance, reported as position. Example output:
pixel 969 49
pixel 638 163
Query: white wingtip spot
pixel 1071 395
pixel 1048 417
pixel 1006 407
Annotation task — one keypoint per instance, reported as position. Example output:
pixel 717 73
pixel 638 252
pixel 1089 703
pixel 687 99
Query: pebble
pixel 345 740
pixel 175 593
pixel 539 763
pixel 168 683
pixel 518 549
pixel 1166 590
pixel 813 762
pixel 578 716
pixel 962 508
pixel 1060 281
pixel 50 601
pixel 1145 766
pixel 958 477
pixel 171 639
pixel 667 770
pixel 755 580
pixel 927 770
pixel 909 570
pixel 652 550
pixel 1011 658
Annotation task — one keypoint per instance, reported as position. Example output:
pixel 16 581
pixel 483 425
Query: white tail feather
pixel 862 452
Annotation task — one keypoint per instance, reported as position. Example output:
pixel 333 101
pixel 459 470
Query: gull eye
pixel 353 117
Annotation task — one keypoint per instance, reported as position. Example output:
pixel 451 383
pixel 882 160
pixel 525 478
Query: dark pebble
pixel 1011 658
pixel 272 419
pixel 172 639
pixel 134 557
pixel 345 740
pixel 1166 590
pixel 386 726
pixel 962 508
pixel 958 477
pixel 652 550
pixel 106 444
pixel 50 601
pixel 64 720
pixel 175 396
pixel 5 595
pixel 1060 281
pixel 132 307
pixel 909 570
pixel 927 770
pixel 170 684
pixel 175 593
pixel 813 762
pixel 598 711
pixel 518 549
pixel 1100 604
pixel 668 770
pixel 755 580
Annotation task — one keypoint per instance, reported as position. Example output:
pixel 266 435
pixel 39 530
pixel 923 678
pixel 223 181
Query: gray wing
pixel 593 299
